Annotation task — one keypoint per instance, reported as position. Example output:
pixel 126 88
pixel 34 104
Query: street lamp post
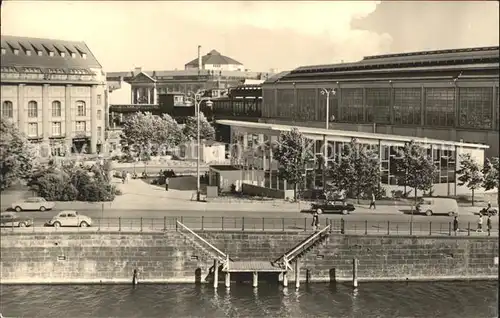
pixel 198 98
pixel 326 92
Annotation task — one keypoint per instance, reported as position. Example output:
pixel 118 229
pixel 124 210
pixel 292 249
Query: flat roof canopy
pixel 348 134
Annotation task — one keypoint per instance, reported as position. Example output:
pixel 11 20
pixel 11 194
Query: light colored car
pixel 11 219
pixel 70 218
pixel 431 206
pixel 33 204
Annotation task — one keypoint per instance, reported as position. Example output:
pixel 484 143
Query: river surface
pixel 443 299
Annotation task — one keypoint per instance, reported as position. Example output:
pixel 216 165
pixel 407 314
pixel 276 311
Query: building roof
pixel 214 57
pixel 36 53
pixel 456 59
pixel 192 73
pixel 349 134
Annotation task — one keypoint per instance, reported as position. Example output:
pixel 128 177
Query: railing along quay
pixel 262 224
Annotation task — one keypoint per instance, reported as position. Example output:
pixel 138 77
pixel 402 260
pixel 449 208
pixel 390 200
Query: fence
pixel 342 226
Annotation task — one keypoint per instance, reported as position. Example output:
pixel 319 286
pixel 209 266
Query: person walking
pixel 480 223
pixel 315 221
pixel 167 182
pixel 372 203
pixel 488 225
pixel 455 225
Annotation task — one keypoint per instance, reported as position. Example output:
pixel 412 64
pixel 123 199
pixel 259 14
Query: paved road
pixel 374 223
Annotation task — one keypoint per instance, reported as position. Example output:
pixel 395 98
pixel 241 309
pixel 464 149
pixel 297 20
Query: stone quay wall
pixel 90 257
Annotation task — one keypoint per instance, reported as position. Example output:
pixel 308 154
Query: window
pixel 51 53
pixel 352 105
pixel 99 99
pixel 33 129
pixel 99 114
pixel 81 126
pixel 28 52
pixel 407 106
pixel 378 101
pixel 63 54
pixel 80 108
pixel 306 105
pixel 216 65
pixel 56 108
pixel 286 107
pixel 4 51
pixel 56 128
pixel 476 106
pixel 7 109
pixel 440 107
pixel 39 53
pixel 84 56
pixel 32 109
pixel 16 52
pixel 99 132
pixel 73 55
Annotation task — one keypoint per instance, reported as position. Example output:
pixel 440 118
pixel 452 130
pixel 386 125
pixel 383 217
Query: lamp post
pixel 197 99
pixel 326 92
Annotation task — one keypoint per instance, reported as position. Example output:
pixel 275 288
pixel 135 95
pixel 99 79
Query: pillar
pixel 21 109
pixel 297 274
pixel 149 95
pixel 45 113
pixel 227 280
pixel 216 273
pixel 255 280
pixel 68 124
pixel 93 118
pixel 354 273
pixel 285 279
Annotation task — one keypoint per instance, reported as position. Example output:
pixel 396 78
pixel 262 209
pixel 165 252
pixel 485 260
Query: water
pixel 443 299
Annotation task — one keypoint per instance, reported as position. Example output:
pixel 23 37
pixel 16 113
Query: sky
pixel 262 35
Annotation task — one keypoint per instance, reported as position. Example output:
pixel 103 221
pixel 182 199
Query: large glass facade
pixel 476 107
pixel 333 109
pixel 306 104
pixel 439 107
pixel 378 105
pixel 407 106
pixel 352 105
pixel 285 103
pixel 268 108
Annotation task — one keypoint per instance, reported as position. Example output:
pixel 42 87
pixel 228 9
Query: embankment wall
pixel 170 257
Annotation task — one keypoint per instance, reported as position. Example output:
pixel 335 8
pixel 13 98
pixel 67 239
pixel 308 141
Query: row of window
pixel 80 127
pixel 404 105
pixel 81 109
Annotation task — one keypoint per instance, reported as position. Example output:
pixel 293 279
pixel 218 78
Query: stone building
pixel 55 92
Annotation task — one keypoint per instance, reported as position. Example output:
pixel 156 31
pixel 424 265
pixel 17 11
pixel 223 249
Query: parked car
pixel 33 204
pixel 331 207
pixel 70 218
pixel 430 206
pixel 11 219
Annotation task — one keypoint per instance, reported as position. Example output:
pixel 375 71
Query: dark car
pixel 332 207
pixel 11 219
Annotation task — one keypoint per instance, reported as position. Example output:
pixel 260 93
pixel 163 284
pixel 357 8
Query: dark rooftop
pixel 46 53
pixel 214 57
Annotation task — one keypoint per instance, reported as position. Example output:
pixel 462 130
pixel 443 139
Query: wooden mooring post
pixel 297 274
pixel 216 273
pixel 255 281
pixel 227 280
pixel 354 273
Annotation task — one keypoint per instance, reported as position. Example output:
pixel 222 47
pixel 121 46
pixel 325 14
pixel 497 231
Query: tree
pixel 292 155
pixel 207 131
pixel 490 173
pixel 419 171
pixel 16 154
pixel 470 173
pixel 357 171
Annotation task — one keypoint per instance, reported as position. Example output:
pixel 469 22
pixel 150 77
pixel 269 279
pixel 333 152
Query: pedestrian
pixel 488 225
pixel 488 207
pixel 455 225
pixel 480 223
pixel 315 221
pixel 124 176
pixel 167 181
pixel 372 203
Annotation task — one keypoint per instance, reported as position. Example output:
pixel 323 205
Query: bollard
pixel 388 227
pixel 468 229
pixel 202 222
pixel 243 223
pixel 283 224
pixel 366 227
pixel 222 222
pixel 141 223
pixel 297 274
pixel 255 280
pixel 430 228
pixel 119 224
pixel 355 273
pixel 263 224
pixel 216 273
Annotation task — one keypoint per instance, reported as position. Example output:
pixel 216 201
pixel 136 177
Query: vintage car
pixel 11 219
pixel 331 207
pixel 69 218
pixel 33 204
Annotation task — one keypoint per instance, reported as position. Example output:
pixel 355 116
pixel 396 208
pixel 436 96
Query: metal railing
pixel 262 224
pixel 222 256
pixel 289 257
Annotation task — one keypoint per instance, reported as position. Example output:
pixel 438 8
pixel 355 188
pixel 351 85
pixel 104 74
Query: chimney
pixel 200 66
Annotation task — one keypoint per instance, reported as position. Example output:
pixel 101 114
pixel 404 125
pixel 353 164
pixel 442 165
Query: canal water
pixel 443 299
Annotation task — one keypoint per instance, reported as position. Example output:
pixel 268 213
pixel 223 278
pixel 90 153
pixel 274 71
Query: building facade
pixel 447 95
pixel 55 92
pixel 252 151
